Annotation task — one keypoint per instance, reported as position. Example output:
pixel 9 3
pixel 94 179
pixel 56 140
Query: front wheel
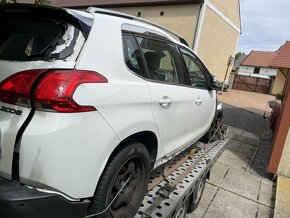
pixel 129 169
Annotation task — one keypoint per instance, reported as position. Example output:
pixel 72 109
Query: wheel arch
pixel 147 138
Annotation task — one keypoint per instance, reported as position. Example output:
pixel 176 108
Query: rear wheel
pixel 129 169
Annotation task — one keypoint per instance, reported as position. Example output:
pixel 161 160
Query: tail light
pixel 16 88
pixel 52 91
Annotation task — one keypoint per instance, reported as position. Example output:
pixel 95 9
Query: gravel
pixel 261 159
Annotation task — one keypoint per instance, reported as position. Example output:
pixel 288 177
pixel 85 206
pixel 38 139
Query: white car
pixel 91 101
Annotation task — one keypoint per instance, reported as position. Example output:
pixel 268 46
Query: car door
pixel 171 98
pixel 204 98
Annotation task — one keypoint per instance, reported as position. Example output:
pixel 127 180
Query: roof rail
pixel 130 17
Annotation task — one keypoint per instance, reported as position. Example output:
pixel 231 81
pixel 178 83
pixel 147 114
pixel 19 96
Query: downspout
pixel 198 27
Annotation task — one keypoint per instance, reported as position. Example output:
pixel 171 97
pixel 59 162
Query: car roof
pixel 136 22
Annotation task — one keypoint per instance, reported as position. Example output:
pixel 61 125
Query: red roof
pixel 259 58
pixel 282 57
pixel 115 3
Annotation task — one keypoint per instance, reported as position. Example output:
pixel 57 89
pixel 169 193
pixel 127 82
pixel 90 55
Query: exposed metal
pixel 169 169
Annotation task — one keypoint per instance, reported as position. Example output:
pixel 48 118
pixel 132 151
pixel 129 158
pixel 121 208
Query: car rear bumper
pixel 17 200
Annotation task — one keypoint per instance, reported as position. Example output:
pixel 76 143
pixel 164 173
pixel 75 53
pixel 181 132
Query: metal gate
pixel 252 84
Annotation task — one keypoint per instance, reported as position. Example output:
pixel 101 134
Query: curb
pixel 282 202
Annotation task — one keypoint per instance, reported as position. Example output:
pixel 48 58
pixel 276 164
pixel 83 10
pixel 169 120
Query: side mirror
pixel 215 84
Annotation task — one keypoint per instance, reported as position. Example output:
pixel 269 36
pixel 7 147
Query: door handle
pixel 198 101
pixel 165 101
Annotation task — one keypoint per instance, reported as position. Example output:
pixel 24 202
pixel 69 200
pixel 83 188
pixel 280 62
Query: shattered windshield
pixel 36 40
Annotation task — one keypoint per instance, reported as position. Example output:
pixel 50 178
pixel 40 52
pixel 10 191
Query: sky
pixel 265 25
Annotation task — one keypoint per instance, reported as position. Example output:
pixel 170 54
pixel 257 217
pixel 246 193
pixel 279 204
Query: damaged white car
pixel 91 101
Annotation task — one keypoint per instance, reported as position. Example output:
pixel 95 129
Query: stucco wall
pixel 246 69
pixel 284 165
pixel 268 71
pixel 179 18
pixel 230 9
pixel 263 70
pixel 217 43
pixel 278 83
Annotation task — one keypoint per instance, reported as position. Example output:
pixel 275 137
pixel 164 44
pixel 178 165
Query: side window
pixel 162 61
pixel 133 56
pixel 195 69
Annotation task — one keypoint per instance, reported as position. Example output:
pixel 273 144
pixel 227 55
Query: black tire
pixel 131 160
pixel 195 197
pixel 208 135
pixel 182 210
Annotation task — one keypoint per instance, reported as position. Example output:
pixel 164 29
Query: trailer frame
pixel 170 197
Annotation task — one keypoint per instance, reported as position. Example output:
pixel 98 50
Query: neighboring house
pixel 281 57
pixel 211 27
pixel 257 62
pixel 238 62
pixel 235 68
pixel 254 73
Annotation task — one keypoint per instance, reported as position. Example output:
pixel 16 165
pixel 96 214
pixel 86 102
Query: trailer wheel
pixel 181 212
pixel 130 161
pixel 195 197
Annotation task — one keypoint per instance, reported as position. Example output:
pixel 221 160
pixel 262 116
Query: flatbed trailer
pixel 176 188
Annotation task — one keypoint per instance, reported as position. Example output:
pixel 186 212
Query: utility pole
pixel 230 63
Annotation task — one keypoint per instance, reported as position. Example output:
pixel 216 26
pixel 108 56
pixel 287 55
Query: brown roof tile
pixel 259 58
pixel 282 57
pixel 115 3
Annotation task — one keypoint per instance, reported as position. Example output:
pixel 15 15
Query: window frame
pixel 142 58
pixel 205 70
pixel 162 40
pixel 178 47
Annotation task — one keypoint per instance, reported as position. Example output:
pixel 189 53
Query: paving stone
pixel 217 173
pixel 250 136
pixel 233 132
pixel 234 159
pixel 235 192
pixel 267 192
pixel 264 212
pixel 244 138
pixel 242 183
pixel 228 205
pixel 242 147
pixel 205 200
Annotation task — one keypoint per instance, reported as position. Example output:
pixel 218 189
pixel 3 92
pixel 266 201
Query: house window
pixel 256 70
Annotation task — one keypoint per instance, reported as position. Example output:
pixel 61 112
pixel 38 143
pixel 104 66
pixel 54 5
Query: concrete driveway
pixel 240 185
pixel 250 101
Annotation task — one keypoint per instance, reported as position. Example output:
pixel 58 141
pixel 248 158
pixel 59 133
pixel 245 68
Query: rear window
pixel 36 40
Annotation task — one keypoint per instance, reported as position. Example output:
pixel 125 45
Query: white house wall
pixel 263 70
pixel 268 71
pixel 246 69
